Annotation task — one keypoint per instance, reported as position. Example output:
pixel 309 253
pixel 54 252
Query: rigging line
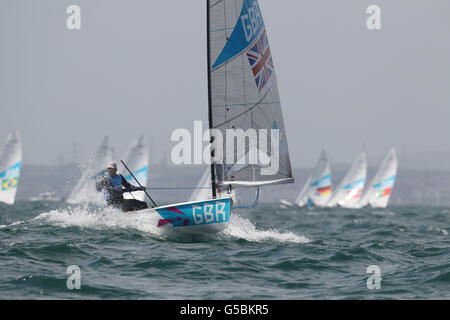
pixel 225 66
pixel 278 98
pixel 223 29
pixel 243 104
pixel 243 120
pixel 227 107
pixel 279 110
pixel 216 3
pixel 253 205
pixel 262 111
pixel 246 111
pixel 265 116
pixel 179 188
pixel 210 115
pixel 237 15
pixel 243 79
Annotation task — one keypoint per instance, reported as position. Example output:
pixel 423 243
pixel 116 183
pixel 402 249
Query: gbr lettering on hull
pixel 210 213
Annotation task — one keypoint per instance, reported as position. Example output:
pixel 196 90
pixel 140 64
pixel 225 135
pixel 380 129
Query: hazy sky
pixel 140 67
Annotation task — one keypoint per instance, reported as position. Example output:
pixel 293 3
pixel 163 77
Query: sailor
pixel 114 186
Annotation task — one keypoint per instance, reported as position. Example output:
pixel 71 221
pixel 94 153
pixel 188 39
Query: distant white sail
pixel 379 190
pixel 10 164
pixel 136 157
pixel 350 190
pixel 93 170
pixel 319 191
pixel 302 198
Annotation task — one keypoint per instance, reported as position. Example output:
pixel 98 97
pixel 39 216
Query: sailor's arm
pixel 100 184
pixel 104 183
pixel 129 187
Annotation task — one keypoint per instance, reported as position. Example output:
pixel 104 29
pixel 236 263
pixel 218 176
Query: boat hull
pixel 195 217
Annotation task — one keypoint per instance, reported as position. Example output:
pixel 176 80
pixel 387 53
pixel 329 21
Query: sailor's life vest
pixel 114 187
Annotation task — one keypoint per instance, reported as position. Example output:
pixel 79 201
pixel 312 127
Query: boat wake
pixel 242 228
pixel 101 219
pixel 84 216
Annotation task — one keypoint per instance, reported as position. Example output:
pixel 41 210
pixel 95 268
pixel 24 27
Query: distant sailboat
pixel 136 157
pixel 349 191
pixel 378 191
pixel 46 196
pixel 302 198
pixel 319 192
pixel 93 170
pixel 10 164
pixel 317 189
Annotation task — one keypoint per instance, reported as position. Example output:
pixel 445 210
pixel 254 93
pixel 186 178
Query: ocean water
pixel 265 253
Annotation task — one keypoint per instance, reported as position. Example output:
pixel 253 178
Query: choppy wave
pixel 268 253
pixel 242 228
pixel 103 219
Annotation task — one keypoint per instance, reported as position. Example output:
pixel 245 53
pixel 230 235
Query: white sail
pixel 10 164
pixel 349 191
pixel 203 188
pixel 379 190
pixel 93 170
pixel 136 157
pixel 319 191
pixel 302 198
pixel 243 94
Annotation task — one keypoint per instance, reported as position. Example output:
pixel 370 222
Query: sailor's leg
pixel 115 203
pixel 143 205
pixel 134 205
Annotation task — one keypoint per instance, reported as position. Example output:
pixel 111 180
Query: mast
pixel 213 172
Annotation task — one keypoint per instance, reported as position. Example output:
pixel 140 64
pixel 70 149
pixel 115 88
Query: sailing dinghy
pixel 10 164
pixel 85 190
pixel 301 200
pixel 242 94
pixel 349 191
pixel 379 190
pixel 317 189
pixel 319 192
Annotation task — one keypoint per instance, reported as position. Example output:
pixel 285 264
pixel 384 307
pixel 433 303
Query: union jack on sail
pixel 260 59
